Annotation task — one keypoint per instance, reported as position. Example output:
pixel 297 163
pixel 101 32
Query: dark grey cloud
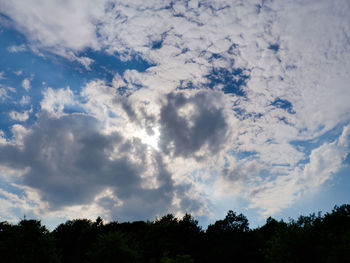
pixel 69 163
pixel 241 171
pixel 137 115
pixel 127 107
pixel 185 135
pixel 154 201
pixel 69 158
pixel 187 203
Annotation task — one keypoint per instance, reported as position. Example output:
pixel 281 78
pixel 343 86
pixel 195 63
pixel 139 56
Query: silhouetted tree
pixel 111 247
pixel 227 238
pixel 28 241
pixel 75 238
pixel 231 223
pixel 313 238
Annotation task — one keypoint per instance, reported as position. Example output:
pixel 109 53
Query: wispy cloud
pixel 24 100
pixel 16 49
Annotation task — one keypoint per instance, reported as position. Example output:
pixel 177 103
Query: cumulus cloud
pixel 187 124
pixel 54 101
pixel 71 163
pixel 20 116
pixel 26 84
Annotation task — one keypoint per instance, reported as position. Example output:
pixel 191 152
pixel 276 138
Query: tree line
pixel 313 238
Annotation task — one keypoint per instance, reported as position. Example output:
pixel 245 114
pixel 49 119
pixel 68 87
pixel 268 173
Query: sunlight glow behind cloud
pixel 136 109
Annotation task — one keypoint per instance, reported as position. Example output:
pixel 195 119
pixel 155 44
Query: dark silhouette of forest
pixel 313 238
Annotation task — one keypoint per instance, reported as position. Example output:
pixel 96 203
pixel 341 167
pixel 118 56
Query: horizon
pixel 203 228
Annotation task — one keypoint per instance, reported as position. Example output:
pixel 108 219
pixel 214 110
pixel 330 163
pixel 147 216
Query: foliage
pixel 111 247
pixel 313 238
pixel 28 241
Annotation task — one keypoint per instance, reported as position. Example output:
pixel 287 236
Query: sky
pixel 130 110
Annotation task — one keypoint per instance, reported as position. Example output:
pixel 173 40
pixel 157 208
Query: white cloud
pixel 11 89
pixel 20 116
pixel 4 92
pixel 19 133
pixel 26 84
pixel 9 202
pixel 271 196
pixel 24 200
pixel 54 101
pixel 85 61
pixel 24 100
pixel 2 137
pixel 17 48
pixel 53 25
pixel 18 72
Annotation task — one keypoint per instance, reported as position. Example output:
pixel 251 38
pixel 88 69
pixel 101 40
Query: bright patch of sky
pixel 130 111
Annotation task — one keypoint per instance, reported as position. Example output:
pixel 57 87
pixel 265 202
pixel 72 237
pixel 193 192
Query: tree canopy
pixel 313 238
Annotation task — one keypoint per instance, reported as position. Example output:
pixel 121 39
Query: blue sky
pixel 133 110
